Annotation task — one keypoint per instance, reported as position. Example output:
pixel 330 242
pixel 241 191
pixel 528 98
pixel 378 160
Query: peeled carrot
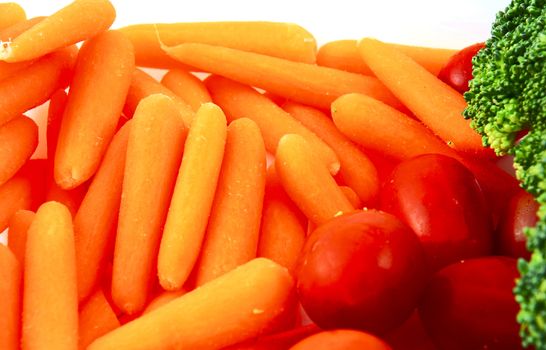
pixel 96 217
pixel 240 101
pixel 341 339
pixel 18 140
pixel 10 302
pixel 307 181
pixel 35 171
pixel 50 303
pixel 80 20
pixel 96 319
pixel 143 85
pixel 234 225
pixel 95 101
pixel 357 171
pixel 234 307
pixel 70 198
pixel 11 13
pixel 193 195
pixel 55 112
pixel 154 151
pixel 284 40
pixel 17 232
pixel 343 54
pixel 278 341
pixel 351 195
pixel 187 86
pixel 432 101
pixel 163 299
pixel 33 85
pixel 301 82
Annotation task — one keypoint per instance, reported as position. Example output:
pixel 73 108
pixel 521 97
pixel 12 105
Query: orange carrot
pixel 154 151
pixel 95 101
pixel 163 299
pixel 357 170
pixel 240 101
pixel 301 82
pixel 35 171
pixel 33 85
pixel 9 33
pixel 55 111
pixel 278 341
pixel 234 225
pixel 343 54
pixel 18 140
pixel 307 181
pixel 10 302
pixel 16 194
pixel 96 217
pixel 11 13
pixel 17 232
pixel 63 28
pixel 341 339
pixel 193 195
pixel 284 40
pixel 187 86
pixel 50 303
pixel 143 85
pixel 96 319
pixel 435 103
pixel 70 198
pixel 352 196
pixel 234 307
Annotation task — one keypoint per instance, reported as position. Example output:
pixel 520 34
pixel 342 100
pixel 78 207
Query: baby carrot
pixel 35 171
pixel 357 171
pixel 351 195
pixel 96 217
pixel 234 307
pixel 50 302
pixel 278 341
pixel 70 198
pixel 63 28
pixel 343 54
pixel 97 94
pixel 55 111
pixel 193 195
pixel 307 181
pixel 10 302
pixel 341 339
pixel 240 101
pixel 96 319
pixel 33 85
pixel 187 86
pixel 301 82
pixel 234 224
pixel 154 151
pixel 284 40
pixel 18 140
pixel 433 102
pixel 16 194
pixel 163 299
pixel 17 232
pixel 11 13
pixel 143 85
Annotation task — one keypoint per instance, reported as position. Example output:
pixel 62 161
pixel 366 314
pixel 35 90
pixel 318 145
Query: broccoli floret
pixel 507 98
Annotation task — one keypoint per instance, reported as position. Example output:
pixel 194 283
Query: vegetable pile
pixel 290 199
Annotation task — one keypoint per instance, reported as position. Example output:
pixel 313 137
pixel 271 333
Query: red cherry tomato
pixel 521 212
pixel 458 70
pixel 442 202
pixel 364 270
pixel 469 305
pixel 341 339
pixel 410 336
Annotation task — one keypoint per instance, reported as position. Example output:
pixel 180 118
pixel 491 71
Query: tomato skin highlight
pixel 458 70
pixel 364 270
pixel 442 202
pixel 469 305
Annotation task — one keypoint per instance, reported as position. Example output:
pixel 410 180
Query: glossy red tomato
pixel 458 70
pixel 411 335
pixel 442 202
pixel 364 270
pixel 341 339
pixel 520 213
pixel 469 305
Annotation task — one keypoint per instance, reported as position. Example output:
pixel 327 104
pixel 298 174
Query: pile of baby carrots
pixel 155 221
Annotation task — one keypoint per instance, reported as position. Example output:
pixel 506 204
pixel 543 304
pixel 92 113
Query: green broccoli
pixel 506 99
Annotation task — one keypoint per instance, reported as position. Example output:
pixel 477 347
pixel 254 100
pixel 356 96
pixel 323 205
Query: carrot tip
pixel 5 50
pixel 169 283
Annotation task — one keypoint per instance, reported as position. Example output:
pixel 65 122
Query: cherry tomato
pixel 410 336
pixel 442 202
pixel 364 270
pixel 521 212
pixel 469 305
pixel 458 70
pixel 341 339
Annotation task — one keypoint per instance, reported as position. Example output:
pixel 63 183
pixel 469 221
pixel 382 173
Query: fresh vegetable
pixel 11 13
pixel 342 339
pixel 364 270
pixel 15 194
pixel 10 307
pixel 18 227
pixel 19 139
pixel 96 318
pixel 458 70
pixel 187 86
